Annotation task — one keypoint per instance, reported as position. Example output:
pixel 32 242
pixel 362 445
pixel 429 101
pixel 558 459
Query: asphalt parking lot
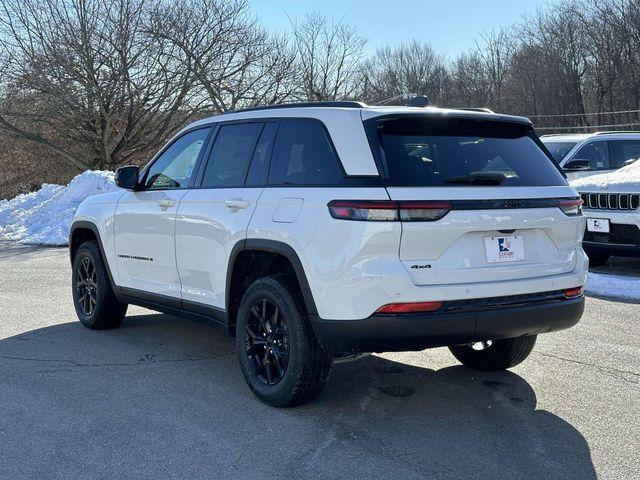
pixel 162 397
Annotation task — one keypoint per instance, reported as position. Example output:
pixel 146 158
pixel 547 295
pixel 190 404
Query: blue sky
pixel 451 26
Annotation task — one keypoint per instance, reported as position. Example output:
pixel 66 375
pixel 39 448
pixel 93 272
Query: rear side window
pixel 622 151
pixel 231 154
pixel 419 151
pixel 303 156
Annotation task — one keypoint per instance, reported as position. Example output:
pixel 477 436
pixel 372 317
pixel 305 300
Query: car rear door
pixel 623 152
pixel 214 216
pixel 484 203
pixel 145 218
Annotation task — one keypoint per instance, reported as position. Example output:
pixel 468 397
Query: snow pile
pixel 625 179
pixel 44 217
pixel 617 286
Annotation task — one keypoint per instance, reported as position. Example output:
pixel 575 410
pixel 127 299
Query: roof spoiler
pixel 476 109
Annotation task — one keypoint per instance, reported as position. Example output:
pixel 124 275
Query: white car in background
pixel 612 207
pixel 585 154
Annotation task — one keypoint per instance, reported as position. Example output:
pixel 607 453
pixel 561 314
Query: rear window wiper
pixel 478 178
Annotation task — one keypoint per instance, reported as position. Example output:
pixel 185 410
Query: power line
pixel 564 115
pixel 590 126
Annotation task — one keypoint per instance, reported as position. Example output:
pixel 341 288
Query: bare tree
pixel 329 58
pixel 95 83
pixel 235 62
pixel 494 51
pixel 467 80
pixel 408 68
pixel 559 37
pixel 82 79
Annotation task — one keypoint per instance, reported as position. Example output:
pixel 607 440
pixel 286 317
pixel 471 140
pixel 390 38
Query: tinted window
pixel 173 169
pixel 230 155
pixel 597 153
pixel 449 152
pixel 559 150
pixel 622 151
pixel 259 169
pixel 303 156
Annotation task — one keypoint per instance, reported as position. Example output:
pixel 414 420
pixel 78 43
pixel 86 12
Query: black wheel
pixel 491 355
pixel 281 360
pixel 597 259
pixel 96 304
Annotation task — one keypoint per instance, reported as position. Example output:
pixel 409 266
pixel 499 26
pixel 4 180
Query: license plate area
pixel 504 249
pixel 598 225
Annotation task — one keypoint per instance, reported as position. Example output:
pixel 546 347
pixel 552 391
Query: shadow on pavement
pixel 12 249
pixel 628 266
pixel 161 397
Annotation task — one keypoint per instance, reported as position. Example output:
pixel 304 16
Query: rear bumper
pixel 386 333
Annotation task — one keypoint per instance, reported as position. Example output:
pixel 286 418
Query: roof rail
pixel 476 109
pixel 337 104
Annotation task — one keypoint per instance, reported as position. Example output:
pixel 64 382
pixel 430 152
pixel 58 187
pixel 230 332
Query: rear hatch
pixel 483 201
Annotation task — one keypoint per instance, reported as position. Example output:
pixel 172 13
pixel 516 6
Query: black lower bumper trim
pixel 387 333
pixel 620 250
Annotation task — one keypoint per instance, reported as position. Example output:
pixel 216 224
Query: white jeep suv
pixel 314 231
pixel 585 154
pixel 612 211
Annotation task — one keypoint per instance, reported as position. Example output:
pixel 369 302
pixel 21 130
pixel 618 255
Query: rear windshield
pixel 460 152
pixel 559 150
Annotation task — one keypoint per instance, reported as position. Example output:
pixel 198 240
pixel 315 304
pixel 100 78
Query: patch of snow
pixel 618 286
pixel 44 217
pixel 624 180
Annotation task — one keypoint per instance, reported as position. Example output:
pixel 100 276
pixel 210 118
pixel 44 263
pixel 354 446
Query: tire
pixel 297 369
pixel 500 355
pixel 93 298
pixel 597 259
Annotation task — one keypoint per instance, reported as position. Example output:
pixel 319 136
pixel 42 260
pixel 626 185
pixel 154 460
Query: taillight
pixel 573 292
pixel 372 210
pixel 389 210
pixel 423 211
pixel 414 307
pixel 571 207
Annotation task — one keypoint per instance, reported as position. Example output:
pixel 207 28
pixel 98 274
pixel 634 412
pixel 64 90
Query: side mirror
pixel 577 165
pixel 127 177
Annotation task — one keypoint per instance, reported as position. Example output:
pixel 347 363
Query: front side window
pixel 230 155
pixel 559 150
pixel 173 169
pixel 303 156
pixel 423 151
pixel 597 153
pixel 624 152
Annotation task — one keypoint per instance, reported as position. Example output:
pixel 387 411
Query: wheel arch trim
pixel 277 247
pixel 86 225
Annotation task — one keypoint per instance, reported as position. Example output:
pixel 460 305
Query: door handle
pixel 164 204
pixel 236 204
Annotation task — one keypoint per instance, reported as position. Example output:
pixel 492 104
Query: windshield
pixel 558 150
pixel 422 151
